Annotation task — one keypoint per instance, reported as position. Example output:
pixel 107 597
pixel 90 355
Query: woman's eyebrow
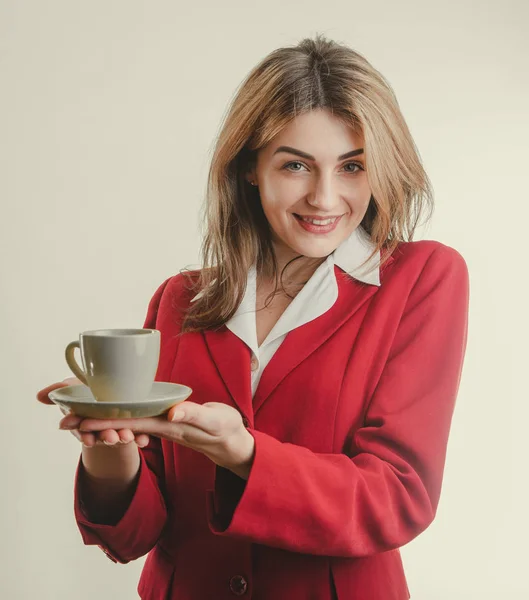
pixel 291 150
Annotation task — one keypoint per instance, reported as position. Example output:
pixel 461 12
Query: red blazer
pixel 351 421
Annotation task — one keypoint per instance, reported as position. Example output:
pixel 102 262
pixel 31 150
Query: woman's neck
pixel 294 277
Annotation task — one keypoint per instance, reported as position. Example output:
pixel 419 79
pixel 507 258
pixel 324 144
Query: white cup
pixel 119 364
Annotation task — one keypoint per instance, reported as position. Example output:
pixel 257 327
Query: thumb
pixel 42 395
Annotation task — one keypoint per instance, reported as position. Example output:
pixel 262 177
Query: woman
pixel 324 348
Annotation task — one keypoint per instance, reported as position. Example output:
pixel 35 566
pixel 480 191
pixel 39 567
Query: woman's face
pixel 303 172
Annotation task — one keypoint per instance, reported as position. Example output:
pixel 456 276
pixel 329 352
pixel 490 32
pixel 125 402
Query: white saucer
pixel 79 400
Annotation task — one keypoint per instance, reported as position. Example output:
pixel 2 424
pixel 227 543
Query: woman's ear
pixel 250 176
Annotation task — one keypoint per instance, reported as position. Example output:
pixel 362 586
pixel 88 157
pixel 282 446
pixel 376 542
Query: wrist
pixel 120 464
pixel 241 453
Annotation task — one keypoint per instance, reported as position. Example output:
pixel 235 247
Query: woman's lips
pixel 321 229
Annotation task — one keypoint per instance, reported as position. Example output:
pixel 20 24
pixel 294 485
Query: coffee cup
pixel 119 365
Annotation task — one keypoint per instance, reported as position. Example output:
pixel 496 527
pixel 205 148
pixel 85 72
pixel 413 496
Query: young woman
pixel 324 348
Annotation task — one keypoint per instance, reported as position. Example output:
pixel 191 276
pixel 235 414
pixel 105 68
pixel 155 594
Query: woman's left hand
pixel 214 429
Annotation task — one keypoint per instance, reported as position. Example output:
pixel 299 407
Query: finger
pixel 42 395
pixel 126 436
pixel 142 440
pixel 181 433
pixel 70 421
pixel 88 439
pixel 110 437
pixel 205 418
pixel 213 418
pixel 152 425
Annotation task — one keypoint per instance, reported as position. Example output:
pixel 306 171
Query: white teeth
pixel 319 222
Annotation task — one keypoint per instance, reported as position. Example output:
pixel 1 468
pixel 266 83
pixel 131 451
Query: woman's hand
pixel 108 437
pixel 214 429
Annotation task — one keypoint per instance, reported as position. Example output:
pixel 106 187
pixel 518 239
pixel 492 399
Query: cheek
pixel 360 200
pixel 276 202
pixel 365 202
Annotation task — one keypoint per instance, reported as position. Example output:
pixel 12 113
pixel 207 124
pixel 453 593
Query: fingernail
pixel 177 415
pixel 67 427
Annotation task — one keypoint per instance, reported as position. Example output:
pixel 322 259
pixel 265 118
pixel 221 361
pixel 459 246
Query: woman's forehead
pixel 321 135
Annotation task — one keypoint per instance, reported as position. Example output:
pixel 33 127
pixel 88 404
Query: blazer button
pixel 238 585
pixel 245 422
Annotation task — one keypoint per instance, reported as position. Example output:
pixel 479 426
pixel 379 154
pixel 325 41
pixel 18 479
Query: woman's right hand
pixel 70 422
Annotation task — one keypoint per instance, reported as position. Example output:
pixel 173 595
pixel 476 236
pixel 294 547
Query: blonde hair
pixel 316 73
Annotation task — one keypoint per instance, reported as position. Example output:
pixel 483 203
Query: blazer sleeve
pixel 383 490
pixel 137 530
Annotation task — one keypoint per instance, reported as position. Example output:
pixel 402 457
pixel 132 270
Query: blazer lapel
pixel 302 341
pixel 232 358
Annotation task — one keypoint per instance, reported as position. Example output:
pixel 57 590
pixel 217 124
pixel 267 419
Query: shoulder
pixel 426 256
pixel 170 299
pixel 180 286
pixel 419 253
pixel 427 265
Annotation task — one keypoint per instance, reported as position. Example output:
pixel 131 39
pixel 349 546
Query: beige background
pixel 107 115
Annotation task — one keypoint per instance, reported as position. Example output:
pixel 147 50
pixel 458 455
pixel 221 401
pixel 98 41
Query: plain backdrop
pixel 108 112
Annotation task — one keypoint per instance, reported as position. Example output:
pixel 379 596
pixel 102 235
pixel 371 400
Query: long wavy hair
pixel 314 74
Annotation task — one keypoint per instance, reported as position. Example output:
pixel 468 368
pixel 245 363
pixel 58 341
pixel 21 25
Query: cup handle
pixel 72 363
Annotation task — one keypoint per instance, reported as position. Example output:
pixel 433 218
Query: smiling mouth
pixel 318 226
pixel 318 220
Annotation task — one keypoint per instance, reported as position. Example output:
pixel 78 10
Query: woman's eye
pixel 358 167
pixel 288 165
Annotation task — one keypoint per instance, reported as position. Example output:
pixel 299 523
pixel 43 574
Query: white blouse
pixel 315 298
